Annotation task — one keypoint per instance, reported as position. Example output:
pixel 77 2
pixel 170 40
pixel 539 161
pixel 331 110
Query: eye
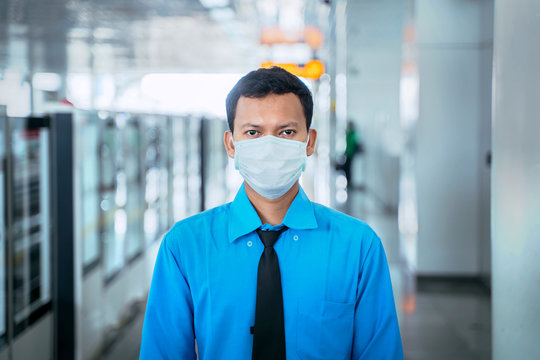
pixel 252 132
pixel 288 132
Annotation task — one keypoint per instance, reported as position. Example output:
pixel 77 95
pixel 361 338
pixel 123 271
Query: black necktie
pixel 269 329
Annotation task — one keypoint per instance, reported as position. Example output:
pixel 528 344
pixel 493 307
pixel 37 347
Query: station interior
pixel 112 115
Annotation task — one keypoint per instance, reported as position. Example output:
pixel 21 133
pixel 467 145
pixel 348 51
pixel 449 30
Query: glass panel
pixel 215 163
pixel 193 165
pixel 87 165
pixel 156 165
pixel 30 214
pixel 131 192
pixel 179 168
pixel 166 183
pixel 113 217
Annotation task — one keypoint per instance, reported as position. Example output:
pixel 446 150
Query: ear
pixel 229 145
pixel 311 142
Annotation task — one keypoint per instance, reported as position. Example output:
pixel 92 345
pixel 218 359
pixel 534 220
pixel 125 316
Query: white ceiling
pixel 126 35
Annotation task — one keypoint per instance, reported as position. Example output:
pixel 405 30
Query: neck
pixel 271 211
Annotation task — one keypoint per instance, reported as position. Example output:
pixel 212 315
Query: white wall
pixel 374 57
pixel 454 40
pixel 484 148
pixel 516 180
pixel 374 46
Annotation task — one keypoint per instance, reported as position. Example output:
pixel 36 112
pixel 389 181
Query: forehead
pixel 270 108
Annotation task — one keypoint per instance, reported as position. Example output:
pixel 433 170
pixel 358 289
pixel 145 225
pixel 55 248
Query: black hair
pixel 266 81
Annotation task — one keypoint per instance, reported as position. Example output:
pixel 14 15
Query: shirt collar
pixel 243 218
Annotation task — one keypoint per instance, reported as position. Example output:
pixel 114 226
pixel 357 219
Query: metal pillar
pixel 62 225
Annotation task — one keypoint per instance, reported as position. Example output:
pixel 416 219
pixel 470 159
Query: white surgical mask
pixel 269 164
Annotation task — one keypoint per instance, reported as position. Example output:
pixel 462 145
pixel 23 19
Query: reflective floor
pixel 448 325
pixel 443 320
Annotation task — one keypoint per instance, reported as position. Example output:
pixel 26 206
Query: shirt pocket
pixel 324 330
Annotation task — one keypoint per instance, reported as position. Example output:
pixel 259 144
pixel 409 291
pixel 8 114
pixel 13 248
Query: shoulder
pixel 328 217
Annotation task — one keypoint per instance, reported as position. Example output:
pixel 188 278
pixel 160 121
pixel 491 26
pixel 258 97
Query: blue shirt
pixel 337 294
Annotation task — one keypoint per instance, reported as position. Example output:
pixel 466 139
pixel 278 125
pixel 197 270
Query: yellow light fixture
pixel 313 69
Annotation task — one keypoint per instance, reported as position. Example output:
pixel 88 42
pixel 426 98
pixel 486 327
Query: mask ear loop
pixel 305 157
pixel 236 165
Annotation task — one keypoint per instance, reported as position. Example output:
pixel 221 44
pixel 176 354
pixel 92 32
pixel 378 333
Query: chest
pixel 311 266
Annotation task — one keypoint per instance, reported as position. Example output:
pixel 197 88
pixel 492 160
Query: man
pixel 271 275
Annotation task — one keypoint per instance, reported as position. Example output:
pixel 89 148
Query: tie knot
pixel 270 237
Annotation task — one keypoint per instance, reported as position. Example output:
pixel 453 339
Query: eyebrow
pixel 289 124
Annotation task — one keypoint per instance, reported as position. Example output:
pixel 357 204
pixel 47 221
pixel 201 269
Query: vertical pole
pixel 61 150
pixel 9 237
pixel 170 172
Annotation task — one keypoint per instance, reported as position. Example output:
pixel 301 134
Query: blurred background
pixel 112 116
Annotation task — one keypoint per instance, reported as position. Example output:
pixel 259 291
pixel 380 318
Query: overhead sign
pixel 313 69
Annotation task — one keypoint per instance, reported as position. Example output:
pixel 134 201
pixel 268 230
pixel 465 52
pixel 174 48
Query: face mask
pixel 269 164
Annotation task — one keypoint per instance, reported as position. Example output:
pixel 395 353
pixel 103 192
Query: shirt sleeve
pixel 168 323
pixel 376 328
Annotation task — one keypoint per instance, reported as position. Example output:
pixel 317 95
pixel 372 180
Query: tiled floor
pixel 447 326
pixel 442 319
pixel 128 342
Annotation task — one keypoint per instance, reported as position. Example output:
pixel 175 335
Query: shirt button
pixel 295 237
pixel 249 243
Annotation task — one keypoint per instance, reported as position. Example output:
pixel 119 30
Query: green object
pixel 351 146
